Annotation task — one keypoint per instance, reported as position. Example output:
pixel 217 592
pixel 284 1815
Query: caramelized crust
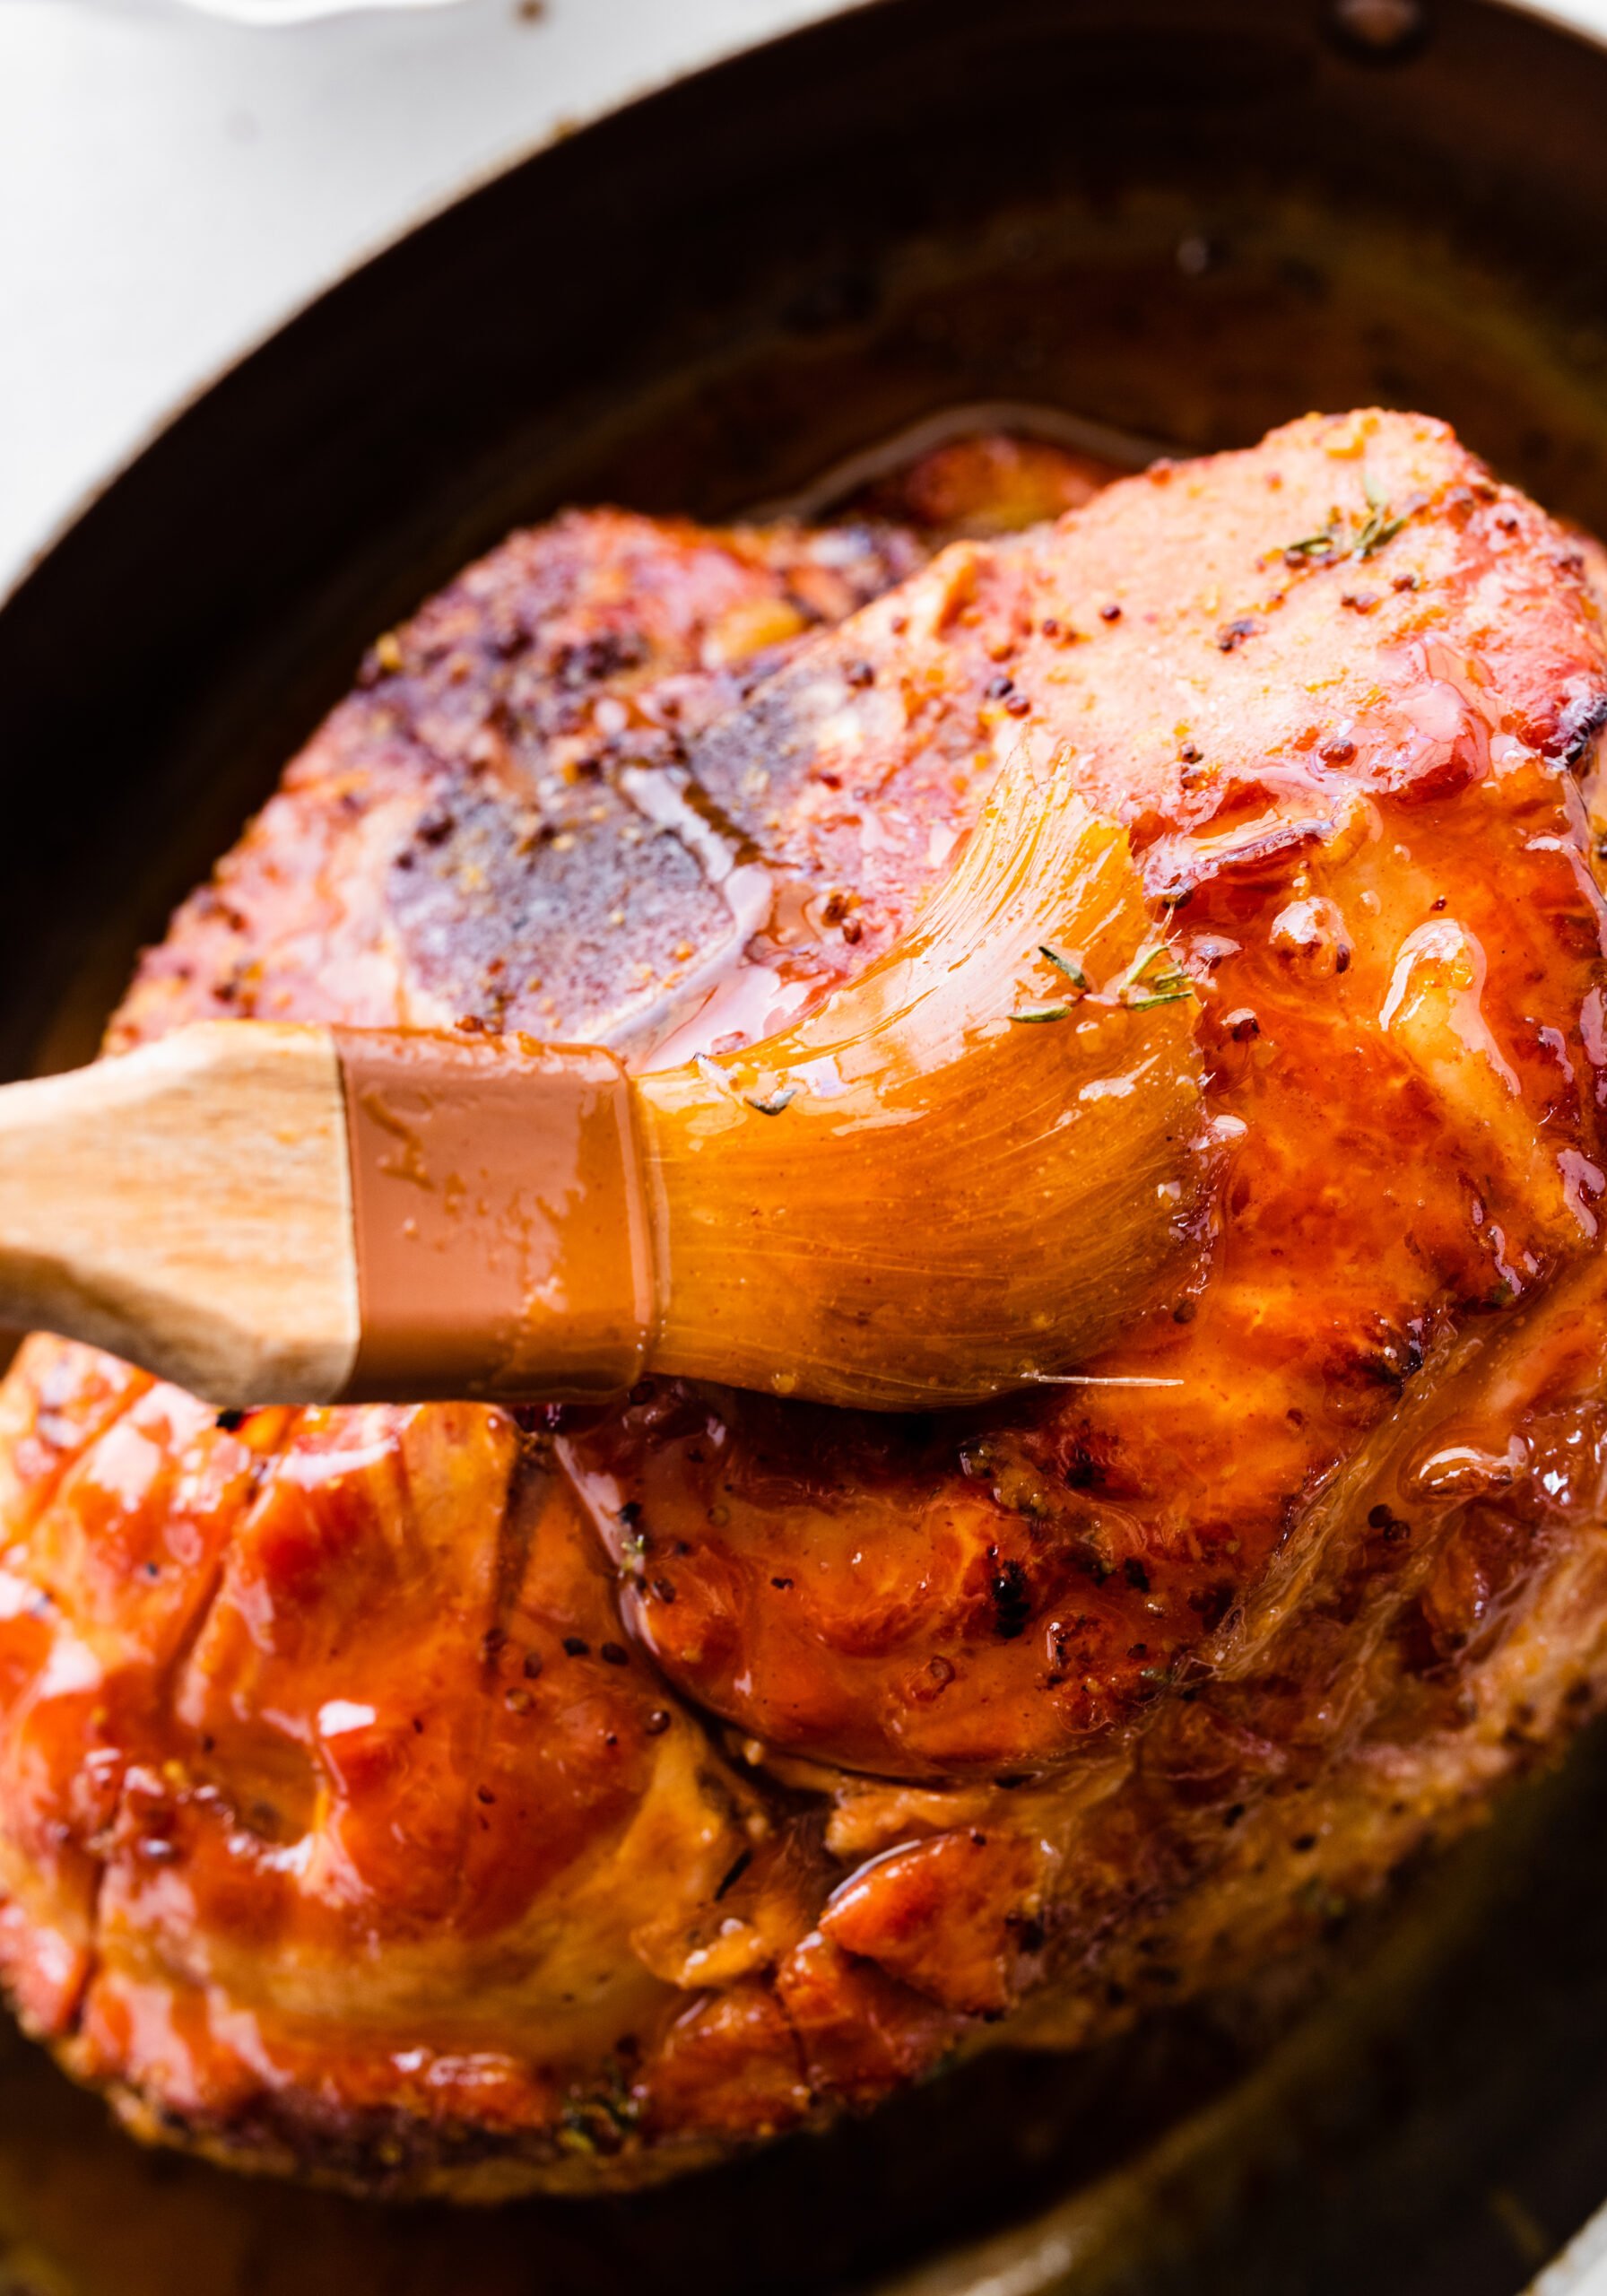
pixel 450 844
pixel 436 1799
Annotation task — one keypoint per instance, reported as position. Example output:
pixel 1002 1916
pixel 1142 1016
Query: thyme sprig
pixel 1142 986
pixel 1380 526
pixel 1153 977
pixel 1370 536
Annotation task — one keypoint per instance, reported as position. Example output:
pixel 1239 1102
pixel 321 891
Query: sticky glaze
pixel 1347 1491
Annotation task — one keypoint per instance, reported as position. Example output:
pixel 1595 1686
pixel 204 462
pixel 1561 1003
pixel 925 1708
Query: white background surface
pixel 171 187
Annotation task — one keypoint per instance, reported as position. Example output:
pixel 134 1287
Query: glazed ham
pixel 456 1800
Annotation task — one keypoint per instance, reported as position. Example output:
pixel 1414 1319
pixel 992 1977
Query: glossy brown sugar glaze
pixel 452 1799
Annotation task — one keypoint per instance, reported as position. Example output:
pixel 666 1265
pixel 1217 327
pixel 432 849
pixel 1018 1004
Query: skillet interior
pixel 1189 220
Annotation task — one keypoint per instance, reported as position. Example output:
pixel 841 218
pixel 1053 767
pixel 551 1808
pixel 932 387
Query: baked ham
pixel 457 1800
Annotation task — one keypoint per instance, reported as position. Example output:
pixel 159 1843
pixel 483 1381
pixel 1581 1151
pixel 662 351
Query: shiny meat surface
pixel 437 1799
pixel 451 844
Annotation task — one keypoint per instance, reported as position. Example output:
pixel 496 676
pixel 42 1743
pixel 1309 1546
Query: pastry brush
pixel 956 1176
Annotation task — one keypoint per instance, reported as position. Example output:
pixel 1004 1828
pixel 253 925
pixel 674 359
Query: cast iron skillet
pixel 1189 219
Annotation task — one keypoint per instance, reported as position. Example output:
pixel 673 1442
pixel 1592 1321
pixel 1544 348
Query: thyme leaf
pixel 1143 964
pixel 1142 987
pixel 1043 1013
pixel 772 1103
pixel 1377 531
pixel 1067 965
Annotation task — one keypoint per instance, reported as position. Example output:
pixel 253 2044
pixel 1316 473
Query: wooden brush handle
pixel 272 1214
pixel 499 1215
pixel 189 1206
